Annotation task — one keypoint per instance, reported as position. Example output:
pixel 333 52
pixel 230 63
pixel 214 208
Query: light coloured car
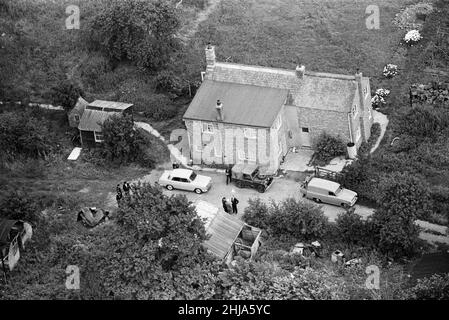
pixel 322 190
pixel 185 179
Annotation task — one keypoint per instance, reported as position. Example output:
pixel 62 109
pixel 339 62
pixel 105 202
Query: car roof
pixel 181 173
pixel 323 183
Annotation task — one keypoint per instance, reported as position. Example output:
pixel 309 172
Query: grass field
pixel 324 35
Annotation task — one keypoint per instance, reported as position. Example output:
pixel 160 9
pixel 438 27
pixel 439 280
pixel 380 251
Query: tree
pixel 137 30
pixel 66 94
pixel 351 228
pixel 157 251
pixel 256 213
pixel 424 121
pixel 122 143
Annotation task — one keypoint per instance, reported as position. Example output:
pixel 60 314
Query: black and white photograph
pixel 226 158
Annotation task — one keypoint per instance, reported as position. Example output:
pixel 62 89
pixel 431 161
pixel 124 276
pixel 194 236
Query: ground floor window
pixel 98 136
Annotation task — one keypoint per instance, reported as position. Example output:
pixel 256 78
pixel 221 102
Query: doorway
pixel 305 137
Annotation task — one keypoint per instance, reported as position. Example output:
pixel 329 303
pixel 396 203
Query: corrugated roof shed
pixel 110 105
pixel 91 120
pixel 223 230
pixel 243 104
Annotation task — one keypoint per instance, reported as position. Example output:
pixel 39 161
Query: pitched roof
pixel 243 104
pixel 91 120
pixel 80 105
pixel 223 230
pixel 102 104
pixel 317 90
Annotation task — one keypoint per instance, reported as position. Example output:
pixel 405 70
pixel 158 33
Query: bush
pixel 200 4
pixel 352 229
pixel 424 122
pixel 440 200
pixel 360 177
pixel 66 94
pixel 288 218
pixel 328 147
pixel 435 287
pixel 159 107
pixel 365 148
pixel 137 30
pixel 122 143
pixel 167 81
pixel 19 205
pixel 256 213
pixel 23 134
pixel 93 69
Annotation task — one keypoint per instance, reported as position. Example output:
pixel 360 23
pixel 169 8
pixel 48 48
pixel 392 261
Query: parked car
pixel 249 176
pixel 185 179
pixel 322 190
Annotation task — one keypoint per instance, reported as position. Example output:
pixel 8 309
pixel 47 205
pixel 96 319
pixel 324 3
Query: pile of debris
pixel 434 93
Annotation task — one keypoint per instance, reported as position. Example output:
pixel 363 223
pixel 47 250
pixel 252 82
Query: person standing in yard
pixel 118 189
pixel 224 202
pixel 228 173
pixel 119 197
pixel 234 202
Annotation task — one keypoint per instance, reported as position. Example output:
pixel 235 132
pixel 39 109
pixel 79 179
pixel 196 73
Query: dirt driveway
pixel 280 189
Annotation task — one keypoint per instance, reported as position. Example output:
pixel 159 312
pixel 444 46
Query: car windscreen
pixel 192 176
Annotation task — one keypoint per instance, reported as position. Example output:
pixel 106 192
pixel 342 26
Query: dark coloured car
pixel 251 176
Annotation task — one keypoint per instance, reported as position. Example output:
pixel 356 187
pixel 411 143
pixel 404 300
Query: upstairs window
pixel 208 128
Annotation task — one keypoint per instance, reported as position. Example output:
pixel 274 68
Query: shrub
pixel 390 70
pixel 256 213
pixel 200 4
pixel 288 218
pixel 435 287
pixel 66 94
pixel 365 148
pixel 328 147
pixel 352 229
pixel 19 205
pixel 93 69
pixel 440 200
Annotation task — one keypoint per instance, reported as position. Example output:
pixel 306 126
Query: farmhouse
pixel 252 114
pixel 94 115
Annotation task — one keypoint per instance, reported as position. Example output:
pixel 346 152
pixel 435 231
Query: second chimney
pixel 300 70
pixel 210 57
pixel 219 107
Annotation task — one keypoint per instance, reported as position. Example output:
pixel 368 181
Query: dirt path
pixel 189 30
pixel 383 121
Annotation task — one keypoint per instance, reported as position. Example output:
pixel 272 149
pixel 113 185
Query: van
pixel 326 191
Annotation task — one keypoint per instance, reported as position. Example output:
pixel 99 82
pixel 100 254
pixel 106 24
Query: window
pixel 193 176
pixel 77 118
pixel 306 130
pixel 208 128
pixel 331 193
pixel 98 136
pixel 249 133
pixel 176 179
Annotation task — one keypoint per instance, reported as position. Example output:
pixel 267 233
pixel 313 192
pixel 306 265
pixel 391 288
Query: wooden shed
pixel 229 236
pixel 93 117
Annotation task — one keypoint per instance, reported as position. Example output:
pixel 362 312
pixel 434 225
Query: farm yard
pixel 44 62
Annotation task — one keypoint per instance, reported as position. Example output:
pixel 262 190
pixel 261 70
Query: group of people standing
pixel 126 189
pixel 230 205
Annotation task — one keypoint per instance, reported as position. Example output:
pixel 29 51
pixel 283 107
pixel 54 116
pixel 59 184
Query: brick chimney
pixel 300 70
pixel 219 107
pixel 210 57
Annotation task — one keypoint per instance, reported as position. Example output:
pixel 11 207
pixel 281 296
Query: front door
pixel 305 137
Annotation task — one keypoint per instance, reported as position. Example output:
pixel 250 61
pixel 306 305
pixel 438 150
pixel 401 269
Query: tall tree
pixel 138 30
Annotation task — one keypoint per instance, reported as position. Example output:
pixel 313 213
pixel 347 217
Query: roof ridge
pixel 285 71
